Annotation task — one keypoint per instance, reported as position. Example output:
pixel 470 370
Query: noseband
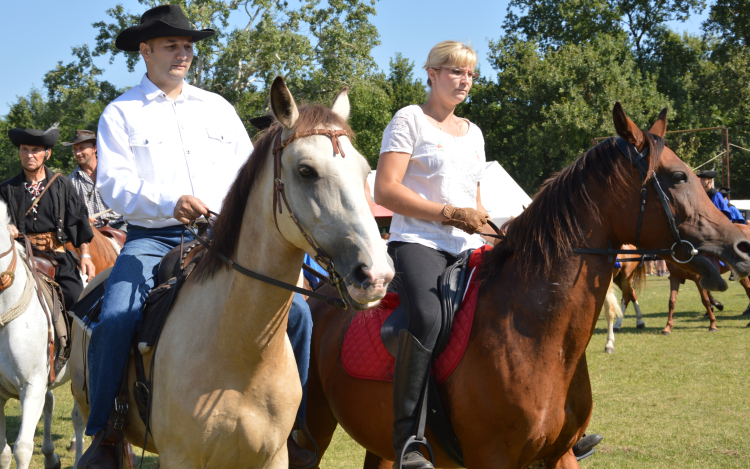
pixel 279 195
pixel 638 160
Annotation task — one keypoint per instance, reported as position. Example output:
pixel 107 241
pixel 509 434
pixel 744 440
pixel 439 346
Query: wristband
pixel 86 256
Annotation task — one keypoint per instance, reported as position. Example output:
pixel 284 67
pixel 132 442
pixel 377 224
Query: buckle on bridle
pixel 693 251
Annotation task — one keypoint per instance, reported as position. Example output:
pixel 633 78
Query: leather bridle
pixel 279 195
pixel 638 160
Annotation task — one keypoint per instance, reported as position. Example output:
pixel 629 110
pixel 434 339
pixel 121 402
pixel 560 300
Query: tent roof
pixel 501 195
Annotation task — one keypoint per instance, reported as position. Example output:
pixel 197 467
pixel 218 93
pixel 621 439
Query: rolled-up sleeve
pixel 117 176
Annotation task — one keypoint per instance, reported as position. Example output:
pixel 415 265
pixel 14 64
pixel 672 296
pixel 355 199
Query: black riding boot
pixel 411 371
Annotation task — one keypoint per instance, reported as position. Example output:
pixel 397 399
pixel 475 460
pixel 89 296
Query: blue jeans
pixel 132 278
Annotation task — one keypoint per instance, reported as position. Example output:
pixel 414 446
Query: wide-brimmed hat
pixel 81 136
pixel 707 174
pixel 162 21
pixel 42 138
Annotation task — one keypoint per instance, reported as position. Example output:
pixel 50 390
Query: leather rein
pixel 638 160
pixel 279 196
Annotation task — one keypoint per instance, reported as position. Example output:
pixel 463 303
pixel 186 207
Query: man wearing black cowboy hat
pixel 167 152
pixel 83 177
pixel 707 181
pixel 734 213
pixel 45 208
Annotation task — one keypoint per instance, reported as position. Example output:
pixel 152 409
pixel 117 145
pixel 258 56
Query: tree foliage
pixel 730 20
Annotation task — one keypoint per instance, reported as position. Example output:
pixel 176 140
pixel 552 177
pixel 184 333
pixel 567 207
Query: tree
pixel 546 106
pixel 403 89
pixel 730 20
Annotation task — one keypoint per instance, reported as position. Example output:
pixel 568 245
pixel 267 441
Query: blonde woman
pixel 430 165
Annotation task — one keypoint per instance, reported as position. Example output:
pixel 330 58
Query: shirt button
pixel 188 152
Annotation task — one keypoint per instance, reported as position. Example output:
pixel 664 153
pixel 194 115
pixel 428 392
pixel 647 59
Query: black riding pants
pixel 418 268
pixel 67 277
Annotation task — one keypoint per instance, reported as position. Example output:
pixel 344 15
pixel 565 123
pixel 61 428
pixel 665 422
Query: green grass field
pixel 680 401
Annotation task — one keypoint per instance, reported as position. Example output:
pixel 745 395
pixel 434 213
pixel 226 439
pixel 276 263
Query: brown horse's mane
pixel 226 229
pixel 550 227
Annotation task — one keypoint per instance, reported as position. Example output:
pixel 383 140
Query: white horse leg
pixel 618 323
pixel 51 460
pixel 78 427
pixel 638 321
pixel 32 402
pixel 6 455
pixel 610 312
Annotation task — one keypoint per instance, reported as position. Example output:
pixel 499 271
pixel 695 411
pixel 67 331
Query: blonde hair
pixel 450 54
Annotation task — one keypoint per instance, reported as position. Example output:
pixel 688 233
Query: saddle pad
pixel 364 356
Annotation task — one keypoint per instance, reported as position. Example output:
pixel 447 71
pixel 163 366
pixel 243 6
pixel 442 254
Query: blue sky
pixel 42 32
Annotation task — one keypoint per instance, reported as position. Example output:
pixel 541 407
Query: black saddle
pixel 453 284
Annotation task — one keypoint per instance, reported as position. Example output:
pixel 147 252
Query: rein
pixel 638 160
pixel 7 277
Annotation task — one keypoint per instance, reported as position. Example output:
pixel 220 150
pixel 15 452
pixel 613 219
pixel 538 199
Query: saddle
pixel 114 233
pixel 453 283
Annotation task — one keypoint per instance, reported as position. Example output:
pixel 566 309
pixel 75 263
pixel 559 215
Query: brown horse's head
pixel 697 219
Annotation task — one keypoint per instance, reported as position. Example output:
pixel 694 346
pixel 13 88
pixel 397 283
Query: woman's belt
pixel 46 241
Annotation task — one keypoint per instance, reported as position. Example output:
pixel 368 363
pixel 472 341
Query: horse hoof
pixel 719 306
pixel 609 349
pixel 712 329
pixel 746 312
pixel 666 332
pixel 640 326
pixel 615 329
pixel 57 464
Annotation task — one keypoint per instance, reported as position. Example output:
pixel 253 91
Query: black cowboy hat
pixel 707 174
pixel 43 138
pixel 725 191
pixel 162 21
pixel 81 136
pixel 262 122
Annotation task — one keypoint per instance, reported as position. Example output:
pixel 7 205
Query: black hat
pixel 725 191
pixel 262 122
pixel 707 174
pixel 81 136
pixel 42 138
pixel 162 21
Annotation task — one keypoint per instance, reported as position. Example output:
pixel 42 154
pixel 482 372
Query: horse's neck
pixel 254 313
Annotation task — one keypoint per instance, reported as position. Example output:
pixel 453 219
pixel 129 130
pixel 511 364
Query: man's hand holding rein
pixel 188 208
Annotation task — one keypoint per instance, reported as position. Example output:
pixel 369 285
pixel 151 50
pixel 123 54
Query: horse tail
pixel 639 278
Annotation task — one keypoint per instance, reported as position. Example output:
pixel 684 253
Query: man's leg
pixel 299 330
pixel 68 278
pixel 131 280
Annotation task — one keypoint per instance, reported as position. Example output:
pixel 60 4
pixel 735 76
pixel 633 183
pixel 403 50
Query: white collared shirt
pixel 153 150
pixel 443 169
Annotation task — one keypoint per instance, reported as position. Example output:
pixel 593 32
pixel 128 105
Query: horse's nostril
pixel 360 276
pixel 744 247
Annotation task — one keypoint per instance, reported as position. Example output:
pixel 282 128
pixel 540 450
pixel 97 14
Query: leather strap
pixel 36 201
pixel 7 277
pixel 47 314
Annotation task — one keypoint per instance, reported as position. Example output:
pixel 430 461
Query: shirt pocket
pixel 144 145
pixel 220 135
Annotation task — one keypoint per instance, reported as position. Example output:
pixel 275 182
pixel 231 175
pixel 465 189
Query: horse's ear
pixel 626 128
pixel 341 104
pixel 660 126
pixel 282 104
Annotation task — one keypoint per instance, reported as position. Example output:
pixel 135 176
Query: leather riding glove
pixel 466 219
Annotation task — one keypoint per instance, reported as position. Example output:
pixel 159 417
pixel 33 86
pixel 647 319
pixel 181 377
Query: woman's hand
pixel 467 219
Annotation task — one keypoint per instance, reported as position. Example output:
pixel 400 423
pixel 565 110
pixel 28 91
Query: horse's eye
pixel 307 172
pixel 679 177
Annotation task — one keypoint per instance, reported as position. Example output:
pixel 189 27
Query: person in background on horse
pixel 429 169
pixel 46 208
pixel 734 212
pixel 168 152
pixel 707 181
pixel 84 180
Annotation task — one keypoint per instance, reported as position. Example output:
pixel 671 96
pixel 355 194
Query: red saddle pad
pixel 364 356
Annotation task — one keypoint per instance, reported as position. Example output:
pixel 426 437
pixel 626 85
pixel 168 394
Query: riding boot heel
pixel 409 375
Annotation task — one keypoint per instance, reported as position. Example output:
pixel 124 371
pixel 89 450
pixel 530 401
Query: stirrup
pixel 413 440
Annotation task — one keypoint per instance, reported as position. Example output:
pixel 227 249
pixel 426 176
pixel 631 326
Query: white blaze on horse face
pixel 332 206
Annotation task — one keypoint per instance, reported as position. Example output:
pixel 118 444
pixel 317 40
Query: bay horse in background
pixel 521 395
pixel 103 250
pixel 225 386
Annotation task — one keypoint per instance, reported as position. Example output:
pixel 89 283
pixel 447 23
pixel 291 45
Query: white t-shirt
pixel 443 169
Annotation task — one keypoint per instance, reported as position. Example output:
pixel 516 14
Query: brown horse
pixel 521 396
pixel 102 250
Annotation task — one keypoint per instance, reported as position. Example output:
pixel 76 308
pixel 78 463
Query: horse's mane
pixel 550 227
pixel 226 229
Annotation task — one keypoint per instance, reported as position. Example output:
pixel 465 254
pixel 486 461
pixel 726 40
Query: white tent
pixel 742 205
pixel 501 196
